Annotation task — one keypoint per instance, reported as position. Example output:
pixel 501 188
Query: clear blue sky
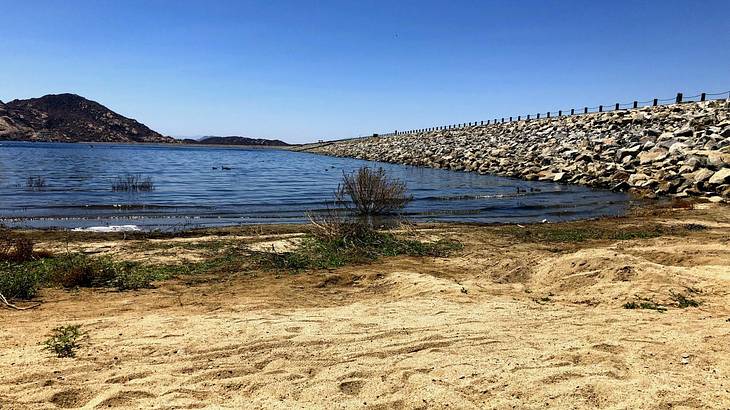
pixel 303 70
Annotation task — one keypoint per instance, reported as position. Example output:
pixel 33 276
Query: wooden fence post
pixel 519 117
pixel 656 101
pixel 538 116
pixel 617 106
pixel 548 114
pixel 585 110
pixel 679 98
pixel 702 97
pixel 528 117
pixel 572 111
pixel 600 108
pixel 636 104
pixel 560 113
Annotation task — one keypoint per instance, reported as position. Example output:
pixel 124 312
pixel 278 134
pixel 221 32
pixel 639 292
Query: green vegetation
pixel 21 280
pixel 643 303
pixel 367 246
pixel 64 340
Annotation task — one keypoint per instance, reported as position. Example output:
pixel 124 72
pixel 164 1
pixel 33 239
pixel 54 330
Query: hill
pixel 234 140
pixel 70 118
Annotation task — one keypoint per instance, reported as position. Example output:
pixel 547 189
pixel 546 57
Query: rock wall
pixel 677 150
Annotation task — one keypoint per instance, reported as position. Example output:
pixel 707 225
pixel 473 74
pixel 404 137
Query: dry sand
pixel 507 323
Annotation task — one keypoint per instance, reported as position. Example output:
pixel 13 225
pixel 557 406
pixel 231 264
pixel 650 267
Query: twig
pixel 11 306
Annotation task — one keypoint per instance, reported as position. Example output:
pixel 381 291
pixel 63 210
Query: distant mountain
pixel 233 140
pixel 70 118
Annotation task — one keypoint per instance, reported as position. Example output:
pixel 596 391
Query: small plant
pixel 133 183
pixel 35 183
pixel 372 192
pixel 64 340
pixel 643 303
pixel 683 301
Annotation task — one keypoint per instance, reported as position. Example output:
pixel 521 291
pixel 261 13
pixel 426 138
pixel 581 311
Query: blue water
pixel 262 186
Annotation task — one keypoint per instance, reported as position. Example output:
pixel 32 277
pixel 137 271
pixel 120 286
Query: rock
pixel 701 175
pixel 677 147
pixel 654 155
pixel 684 132
pixel 720 177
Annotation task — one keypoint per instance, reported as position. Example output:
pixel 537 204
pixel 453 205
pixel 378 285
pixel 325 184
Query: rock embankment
pixel 677 150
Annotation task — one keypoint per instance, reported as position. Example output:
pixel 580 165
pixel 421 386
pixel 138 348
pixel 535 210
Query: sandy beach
pixel 522 317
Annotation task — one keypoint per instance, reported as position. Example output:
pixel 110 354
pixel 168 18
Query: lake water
pixel 261 186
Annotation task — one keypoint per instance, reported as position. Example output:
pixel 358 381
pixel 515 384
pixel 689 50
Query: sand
pixel 506 323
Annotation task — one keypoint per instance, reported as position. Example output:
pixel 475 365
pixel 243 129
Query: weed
pixel 683 301
pixel 78 270
pixel 64 340
pixel 133 183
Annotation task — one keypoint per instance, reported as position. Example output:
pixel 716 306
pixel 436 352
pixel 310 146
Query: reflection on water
pixel 207 186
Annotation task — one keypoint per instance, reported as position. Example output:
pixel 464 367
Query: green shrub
pixel 19 281
pixel 64 340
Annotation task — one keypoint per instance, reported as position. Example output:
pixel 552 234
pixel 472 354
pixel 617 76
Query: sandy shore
pixel 514 320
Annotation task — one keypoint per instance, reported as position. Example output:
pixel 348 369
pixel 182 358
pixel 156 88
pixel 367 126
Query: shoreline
pixel 522 316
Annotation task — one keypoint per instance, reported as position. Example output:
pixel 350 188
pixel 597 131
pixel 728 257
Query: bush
pixel 372 192
pixel 78 270
pixel 133 183
pixel 64 340
pixel 19 281
pixel 14 248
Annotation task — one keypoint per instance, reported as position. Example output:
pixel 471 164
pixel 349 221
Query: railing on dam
pixel 679 99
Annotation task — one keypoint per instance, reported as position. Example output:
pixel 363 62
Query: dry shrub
pixel 372 192
pixel 15 248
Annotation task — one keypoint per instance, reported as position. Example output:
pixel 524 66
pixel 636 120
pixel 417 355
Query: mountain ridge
pixel 71 118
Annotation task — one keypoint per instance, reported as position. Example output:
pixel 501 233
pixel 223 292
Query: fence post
pixel 519 117
pixel 528 117
pixel 548 114
pixel 617 106
pixel 538 116
pixel 572 111
pixel 482 123
pixel 510 119
pixel 585 110
pixel 560 113
pixel 679 98
pixel 656 101
pixel 702 97
pixel 600 108
pixel 636 104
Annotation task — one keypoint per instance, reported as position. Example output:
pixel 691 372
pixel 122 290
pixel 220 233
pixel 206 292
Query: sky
pixel 306 70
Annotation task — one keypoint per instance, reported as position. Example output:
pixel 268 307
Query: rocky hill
pixel 677 150
pixel 234 140
pixel 70 118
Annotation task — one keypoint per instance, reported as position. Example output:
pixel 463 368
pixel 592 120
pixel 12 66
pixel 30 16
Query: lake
pixel 262 186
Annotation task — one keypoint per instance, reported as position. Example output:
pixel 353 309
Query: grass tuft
pixel 64 340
